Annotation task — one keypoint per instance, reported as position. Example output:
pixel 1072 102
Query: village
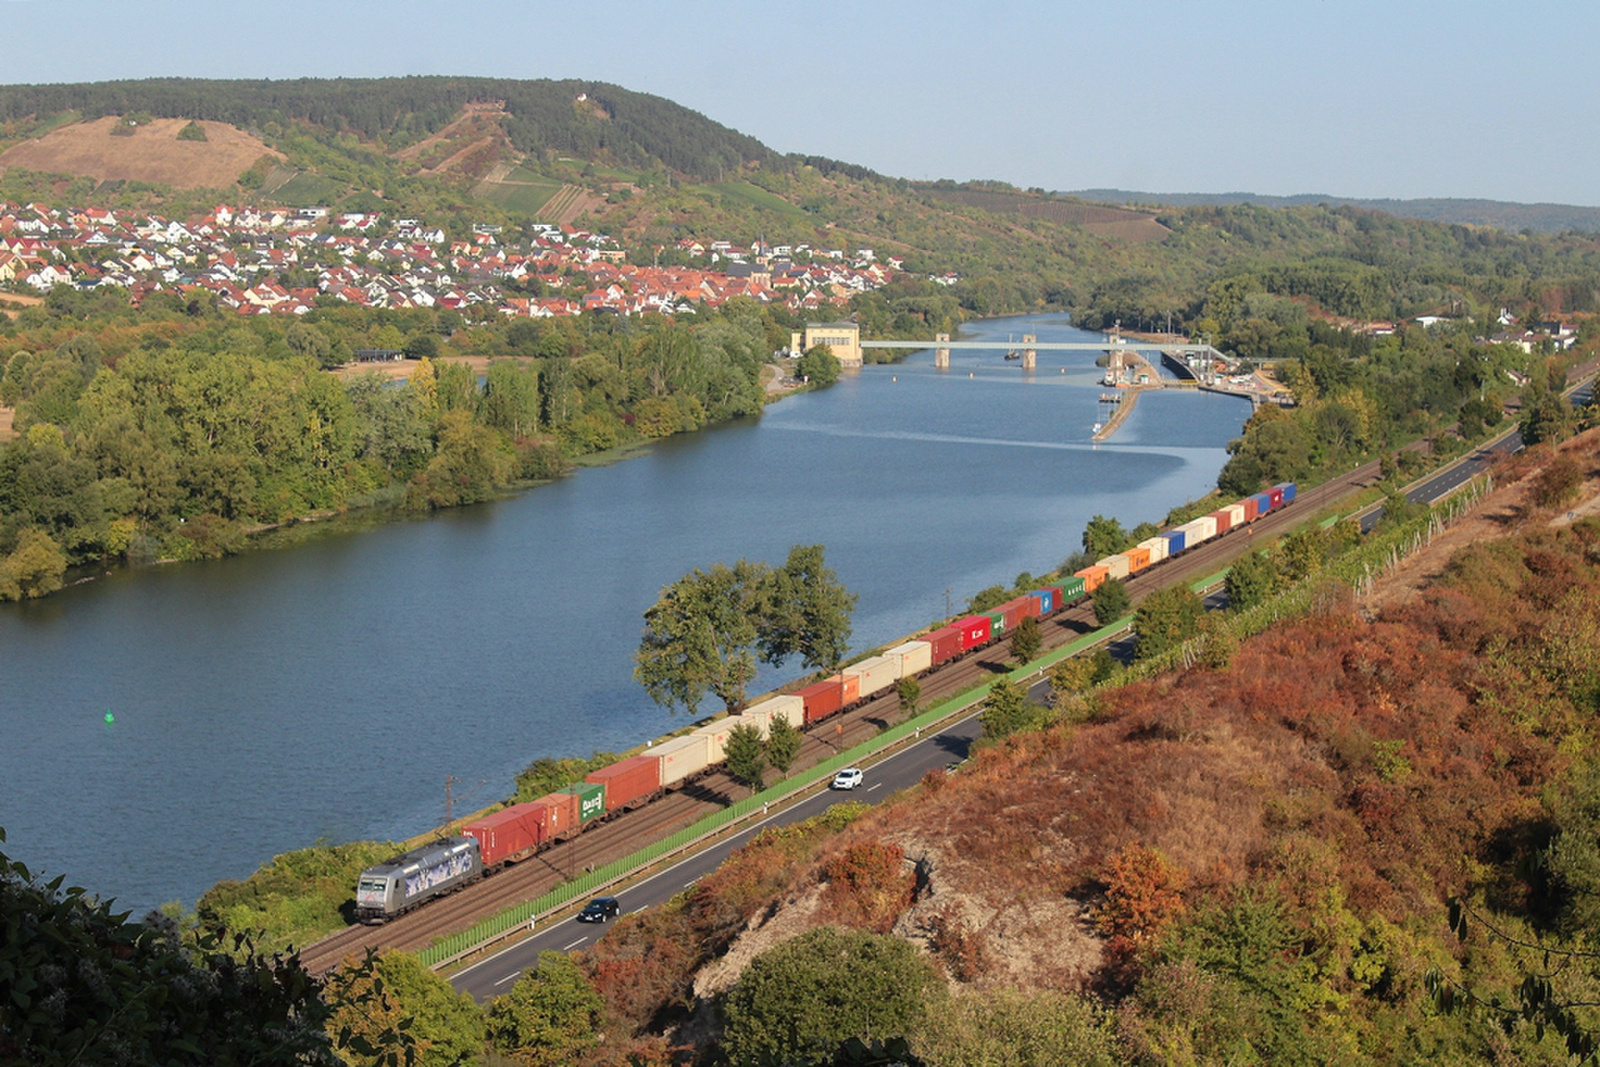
pixel 258 261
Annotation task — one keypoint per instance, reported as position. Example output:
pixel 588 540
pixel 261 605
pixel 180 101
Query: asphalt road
pixel 496 974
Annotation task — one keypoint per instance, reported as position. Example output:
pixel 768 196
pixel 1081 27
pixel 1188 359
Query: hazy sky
pixel 1403 98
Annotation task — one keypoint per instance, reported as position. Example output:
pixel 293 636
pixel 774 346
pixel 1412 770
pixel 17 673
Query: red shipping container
pixel 510 834
pixel 1024 607
pixel 822 699
pixel 1035 607
pixel 974 631
pixel 1276 492
pixel 1252 508
pixel 946 642
pixel 564 818
pixel 627 781
pixel 1058 598
pixel 1224 520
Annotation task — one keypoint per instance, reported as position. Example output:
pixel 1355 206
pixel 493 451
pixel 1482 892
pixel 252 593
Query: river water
pixel 264 702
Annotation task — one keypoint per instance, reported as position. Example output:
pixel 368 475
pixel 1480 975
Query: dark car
pixel 599 910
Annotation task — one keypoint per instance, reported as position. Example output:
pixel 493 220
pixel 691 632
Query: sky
pixel 1402 99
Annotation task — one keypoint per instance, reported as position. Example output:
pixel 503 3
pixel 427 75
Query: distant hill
pixel 1501 214
pixel 592 120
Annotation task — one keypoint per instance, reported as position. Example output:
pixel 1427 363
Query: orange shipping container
pixel 1093 577
pixel 849 688
pixel 1138 559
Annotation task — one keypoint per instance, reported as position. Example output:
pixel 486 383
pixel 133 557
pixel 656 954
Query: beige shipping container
pixel 1157 547
pixel 717 734
pixel 1116 566
pixel 876 674
pixel 1202 529
pixel 1235 515
pixel 914 656
pixel 681 757
pixel 786 707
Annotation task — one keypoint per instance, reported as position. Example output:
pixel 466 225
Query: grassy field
pixel 306 189
pixel 754 196
pixel 526 199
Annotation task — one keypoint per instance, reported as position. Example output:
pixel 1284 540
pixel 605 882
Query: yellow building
pixel 842 338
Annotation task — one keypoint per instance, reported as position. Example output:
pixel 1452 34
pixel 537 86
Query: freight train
pixel 521 830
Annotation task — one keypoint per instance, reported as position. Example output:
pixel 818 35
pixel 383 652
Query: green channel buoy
pixel 110 718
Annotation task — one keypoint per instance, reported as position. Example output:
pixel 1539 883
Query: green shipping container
pixel 1071 589
pixel 591 799
pixel 997 622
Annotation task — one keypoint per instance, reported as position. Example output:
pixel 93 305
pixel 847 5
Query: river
pixel 324 692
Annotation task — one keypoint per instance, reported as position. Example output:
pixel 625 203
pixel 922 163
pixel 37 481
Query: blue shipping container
pixel 1174 542
pixel 1288 491
pixel 1045 604
pixel 1263 503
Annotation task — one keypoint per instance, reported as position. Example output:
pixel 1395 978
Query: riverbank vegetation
pixel 176 433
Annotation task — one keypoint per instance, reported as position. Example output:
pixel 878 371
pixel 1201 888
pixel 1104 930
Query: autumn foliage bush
pixel 868 885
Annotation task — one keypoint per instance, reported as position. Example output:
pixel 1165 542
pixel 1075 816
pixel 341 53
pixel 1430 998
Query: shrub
pixel 799 1002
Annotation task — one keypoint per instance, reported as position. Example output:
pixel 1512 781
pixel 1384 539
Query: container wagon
pixel 682 758
pixel 511 834
pixel 792 708
pixel 1156 546
pixel 944 643
pixel 975 631
pixel 1116 565
pixel 591 800
pixel 1092 577
pixel 1138 558
pixel 914 656
pixel 821 699
pixel 874 675
pixel 628 783
pixel 716 735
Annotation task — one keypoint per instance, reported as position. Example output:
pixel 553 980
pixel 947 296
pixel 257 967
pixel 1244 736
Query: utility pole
pixel 449 802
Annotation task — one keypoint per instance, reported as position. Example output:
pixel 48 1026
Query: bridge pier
pixel 1030 355
pixel 941 356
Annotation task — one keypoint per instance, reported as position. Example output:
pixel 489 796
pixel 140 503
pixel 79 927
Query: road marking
pixel 575 944
pixel 507 978
pixel 690 883
pixel 640 910
pixel 873 786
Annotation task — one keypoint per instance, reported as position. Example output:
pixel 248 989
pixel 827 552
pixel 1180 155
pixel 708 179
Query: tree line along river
pixel 323 692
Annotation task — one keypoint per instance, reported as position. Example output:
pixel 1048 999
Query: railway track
pixel 681 807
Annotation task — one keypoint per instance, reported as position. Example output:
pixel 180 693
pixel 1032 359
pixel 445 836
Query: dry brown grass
pixel 152 153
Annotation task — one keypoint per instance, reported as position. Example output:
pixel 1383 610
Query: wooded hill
pixel 623 127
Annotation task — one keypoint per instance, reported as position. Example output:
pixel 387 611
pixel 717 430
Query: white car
pixel 848 778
